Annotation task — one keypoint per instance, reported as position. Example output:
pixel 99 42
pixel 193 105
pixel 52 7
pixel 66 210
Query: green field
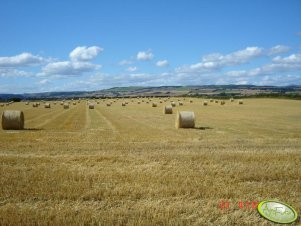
pixel 130 165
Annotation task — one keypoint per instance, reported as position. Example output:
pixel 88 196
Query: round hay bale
pixel 62 103
pixel 211 100
pixel 240 102
pixel 108 104
pixel 138 102
pixel 222 102
pixel 74 103
pixel 185 119
pixel 154 105
pixel 47 105
pixel 123 104
pixel 35 105
pixel 167 109
pixel 27 103
pixel 66 106
pixel 191 101
pixel 173 104
pixel 205 103
pixel 12 120
pixel 216 101
pixel 91 106
pixel 180 103
pixel 2 105
pixel 231 100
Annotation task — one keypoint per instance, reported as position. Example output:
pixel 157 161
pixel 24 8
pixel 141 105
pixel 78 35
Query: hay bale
pixel 222 102
pixel 12 120
pixel 74 103
pixel 205 103
pixel 154 105
pixel 91 106
pixel 216 101
pixel 27 103
pixel 108 104
pixel 211 100
pixel 66 106
pixel 123 104
pixel 173 104
pixel 35 105
pixel 47 105
pixel 167 109
pixel 138 102
pixel 190 101
pixel 231 100
pixel 62 103
pixel 240 102
pixel 1 105
pixel 185 119
pixel 180 103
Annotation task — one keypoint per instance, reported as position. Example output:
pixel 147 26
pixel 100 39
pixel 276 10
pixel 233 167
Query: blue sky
pixel 90 45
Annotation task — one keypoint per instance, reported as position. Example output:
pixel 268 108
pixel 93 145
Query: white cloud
pixel 278 49
pixel 21 60
pixel 217 61
pixel 125 62
pixel 132 69
pixel 83 53
pixel 68 68
pixel 10 72
pixel 162 63
pixel 145 55
pixel 292 59
pixel 44 81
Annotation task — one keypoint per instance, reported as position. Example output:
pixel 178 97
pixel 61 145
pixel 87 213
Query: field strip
pixel 52 118
pixel 51 112
pixel 88 119
pixel 171 133
pixel 110 124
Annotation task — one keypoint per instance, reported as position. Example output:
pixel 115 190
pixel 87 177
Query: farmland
pixel 130 166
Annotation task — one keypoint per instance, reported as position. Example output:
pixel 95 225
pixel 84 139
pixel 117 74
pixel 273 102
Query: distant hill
pixel 132 91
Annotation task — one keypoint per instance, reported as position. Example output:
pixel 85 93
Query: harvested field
pixel 131 166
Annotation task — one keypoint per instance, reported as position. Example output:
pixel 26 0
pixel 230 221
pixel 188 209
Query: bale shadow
pixel 33 129
pixel 203 127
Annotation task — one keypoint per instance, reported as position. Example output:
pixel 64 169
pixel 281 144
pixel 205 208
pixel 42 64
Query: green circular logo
pixel 277 212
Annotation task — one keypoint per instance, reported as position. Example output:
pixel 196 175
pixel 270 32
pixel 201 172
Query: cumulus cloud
pixel 279 65
pixel 132 69
pixel 217 61
pixel 292 59
pixel 21 60
pixel 125 62
pixel 83 53
pixel 278 49
pixel 11 72
pixel 145 55
pixel 44 81
pixel 68 68
pixel 162 63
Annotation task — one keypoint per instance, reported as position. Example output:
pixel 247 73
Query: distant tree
pixel 15 99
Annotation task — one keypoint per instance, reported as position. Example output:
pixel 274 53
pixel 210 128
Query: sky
pixel 97 44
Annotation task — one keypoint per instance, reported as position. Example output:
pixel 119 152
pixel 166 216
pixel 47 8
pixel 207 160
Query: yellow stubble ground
pixel 130 165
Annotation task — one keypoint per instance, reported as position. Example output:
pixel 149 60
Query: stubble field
pixel 130 165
